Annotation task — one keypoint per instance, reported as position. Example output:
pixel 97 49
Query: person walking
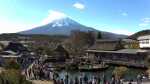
pixel 71 81
pixel 54 81
pixel 130 82
pixel 85 79
pixel 94 80
pixel 61 81
pixel 112 80
pixel 66 79
pixel 139 79
pixel 80 80
pixel 76 81
pixel 99 80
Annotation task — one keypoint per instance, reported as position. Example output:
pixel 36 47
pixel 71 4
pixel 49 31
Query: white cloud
pixel 117 30
pixel 122 31
pixel 9 26
pixel 79 6
pixel 53 15
pixel 145 22
pixel 124 14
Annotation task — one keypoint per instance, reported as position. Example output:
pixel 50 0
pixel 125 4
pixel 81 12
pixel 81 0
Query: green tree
pixel 81 38
pixel 119 72
pixel 99 35
pixel 12 76
pixel 79 41
pixel 11 64
pixel 119 45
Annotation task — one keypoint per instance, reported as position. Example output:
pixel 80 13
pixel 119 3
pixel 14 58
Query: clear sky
pixel 118 16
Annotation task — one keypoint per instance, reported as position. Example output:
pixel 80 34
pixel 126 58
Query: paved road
pixel 136 83
pixel 41 82
pixel 50 82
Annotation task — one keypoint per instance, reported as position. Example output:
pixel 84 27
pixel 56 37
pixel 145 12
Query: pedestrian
pixel 55 82
pixel 61 81
pixel 71 81
pixel 130 82
pixel 85 79
pixel 80 80
pixel 98 80
pixel 112 80
pixel 66 79
pixel 51 75
pixel 76 81
pixel 139 79
pixel 90 81
pixel 94 80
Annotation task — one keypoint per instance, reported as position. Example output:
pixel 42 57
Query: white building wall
pixel 145 45
pixel 144 41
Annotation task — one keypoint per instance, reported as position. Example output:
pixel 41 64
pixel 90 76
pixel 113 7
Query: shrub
pixel 13 76
pixel 11 64
pixel 119 72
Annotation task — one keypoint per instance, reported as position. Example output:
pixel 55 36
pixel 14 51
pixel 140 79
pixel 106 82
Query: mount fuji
pixel 61 26
pixel 64 26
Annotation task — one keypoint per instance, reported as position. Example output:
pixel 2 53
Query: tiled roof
pixel 144 37
pixel 130 51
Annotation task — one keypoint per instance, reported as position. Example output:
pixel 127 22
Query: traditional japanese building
pixel 8 55
pixel 15 47
pixel 106 44
pixel 14 50
pixel 60 54
pixel 144 41
pixel 127 57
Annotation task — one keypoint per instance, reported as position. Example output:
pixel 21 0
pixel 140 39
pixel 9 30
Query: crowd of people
pixel 42 71
pixel 83 79
pixel 86 80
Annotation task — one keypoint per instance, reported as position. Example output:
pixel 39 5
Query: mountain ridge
pixel 64 26
pixel 140 33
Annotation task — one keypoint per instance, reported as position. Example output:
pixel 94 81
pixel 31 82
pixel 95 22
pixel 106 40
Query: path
pixel 136 83
pixel 41 82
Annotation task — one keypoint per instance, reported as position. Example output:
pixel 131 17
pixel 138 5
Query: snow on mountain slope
pixel 60 24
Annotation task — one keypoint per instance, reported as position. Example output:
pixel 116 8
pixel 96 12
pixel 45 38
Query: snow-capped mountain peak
pixel 64 26
pixel 60 22
pixel 58 19
pixel 54 16
pixel 61 26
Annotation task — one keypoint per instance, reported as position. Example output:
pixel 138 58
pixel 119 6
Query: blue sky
pixel 118 16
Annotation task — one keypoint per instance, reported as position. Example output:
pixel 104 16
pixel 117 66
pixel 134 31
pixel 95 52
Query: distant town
pixel 80 58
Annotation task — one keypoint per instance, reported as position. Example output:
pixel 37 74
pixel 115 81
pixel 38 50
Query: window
pixel 147 41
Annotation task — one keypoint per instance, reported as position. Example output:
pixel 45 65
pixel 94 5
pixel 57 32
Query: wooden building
pixel 15 47
pixel 127 57
pixel 60 54
pixel 106 44
pixel 8 55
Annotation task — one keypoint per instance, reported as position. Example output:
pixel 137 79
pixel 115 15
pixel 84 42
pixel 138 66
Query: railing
pixel 129 63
